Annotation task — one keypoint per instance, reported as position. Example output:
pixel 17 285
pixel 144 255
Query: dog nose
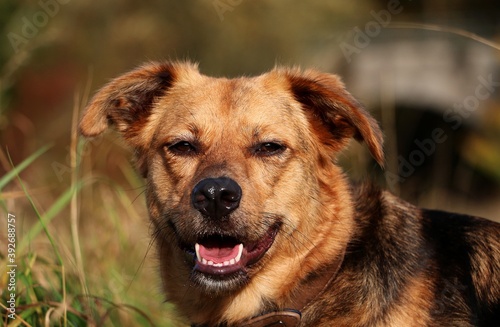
pixel 216 197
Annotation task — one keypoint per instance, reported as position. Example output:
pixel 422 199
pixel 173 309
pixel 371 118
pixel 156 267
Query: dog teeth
pixel 220 264
pixel 240 252
pixel 197 250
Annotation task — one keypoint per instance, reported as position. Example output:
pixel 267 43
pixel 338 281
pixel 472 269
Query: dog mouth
pixel 223 255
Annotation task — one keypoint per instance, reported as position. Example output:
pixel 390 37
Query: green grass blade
pixel 46 218
pixel 16 170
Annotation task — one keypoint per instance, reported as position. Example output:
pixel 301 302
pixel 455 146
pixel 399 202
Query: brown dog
pixel 256 225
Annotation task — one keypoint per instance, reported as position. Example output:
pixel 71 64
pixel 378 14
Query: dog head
pixel 242 184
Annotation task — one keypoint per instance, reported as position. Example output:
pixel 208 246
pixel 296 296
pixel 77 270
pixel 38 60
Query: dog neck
pixel 307 291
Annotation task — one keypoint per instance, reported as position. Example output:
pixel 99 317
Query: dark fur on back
pixel 397 244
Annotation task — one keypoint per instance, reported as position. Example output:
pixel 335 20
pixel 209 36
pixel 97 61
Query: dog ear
pixel 126 102
pixel 334 113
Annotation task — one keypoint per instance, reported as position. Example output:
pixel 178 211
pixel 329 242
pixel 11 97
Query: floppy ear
pixel 127 102
pixel 334 113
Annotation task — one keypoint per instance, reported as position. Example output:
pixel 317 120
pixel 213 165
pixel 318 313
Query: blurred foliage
pixel 482 148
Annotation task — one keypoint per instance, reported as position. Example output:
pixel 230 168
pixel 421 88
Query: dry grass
pixel 82 251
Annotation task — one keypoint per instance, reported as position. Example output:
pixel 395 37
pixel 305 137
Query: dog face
pixel 241 177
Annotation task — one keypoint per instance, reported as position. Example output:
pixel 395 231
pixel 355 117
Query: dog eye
pixel 182 147
pixel 269 149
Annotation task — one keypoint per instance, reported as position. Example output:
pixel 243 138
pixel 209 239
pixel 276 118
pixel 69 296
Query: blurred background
pixel 427 70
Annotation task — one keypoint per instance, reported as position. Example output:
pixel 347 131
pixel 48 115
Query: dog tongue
pixel 218 254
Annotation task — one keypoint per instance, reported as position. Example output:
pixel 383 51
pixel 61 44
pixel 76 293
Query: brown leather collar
pixel 287 318
pixel 309 290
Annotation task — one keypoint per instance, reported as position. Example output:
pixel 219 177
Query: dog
pixel 256 225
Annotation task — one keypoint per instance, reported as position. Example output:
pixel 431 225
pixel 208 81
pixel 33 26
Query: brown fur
pixel 403 266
